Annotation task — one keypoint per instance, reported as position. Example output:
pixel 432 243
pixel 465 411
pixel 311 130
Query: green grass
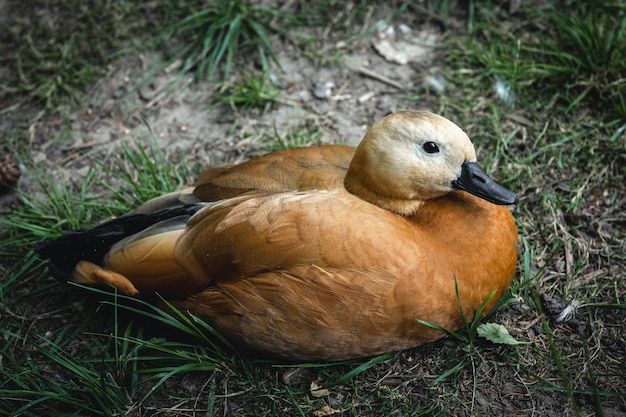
pixel 561 145
pixel 53 57
pixel 254 90
pixel 67 350
pixel 117 366
pixel 296 138
pixel 574 53
pixel 211 37
pixel 593 66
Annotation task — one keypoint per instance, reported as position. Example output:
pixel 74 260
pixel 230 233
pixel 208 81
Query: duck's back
pixel 299 169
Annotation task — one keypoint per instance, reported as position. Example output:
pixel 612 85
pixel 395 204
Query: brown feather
pixel 321 167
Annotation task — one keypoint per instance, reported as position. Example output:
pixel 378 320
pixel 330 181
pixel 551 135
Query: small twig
pixel 81 146
pixel 379 77
pixel 286 6
pixel 70 157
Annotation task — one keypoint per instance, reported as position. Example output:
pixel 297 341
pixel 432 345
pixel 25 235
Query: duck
pixel 324 253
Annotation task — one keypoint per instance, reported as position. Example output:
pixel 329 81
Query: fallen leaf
pixel 417 48
pixel 318 391
pixel 497 333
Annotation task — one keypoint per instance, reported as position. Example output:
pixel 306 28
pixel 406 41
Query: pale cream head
pixel 407 158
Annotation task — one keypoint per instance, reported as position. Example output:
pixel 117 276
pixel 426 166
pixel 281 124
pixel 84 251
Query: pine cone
pixel 9 174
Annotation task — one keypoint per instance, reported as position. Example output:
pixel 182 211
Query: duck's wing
pixel 318 167
pixel 241 237
pixel 178 198
pixel 131 252
pixel 140 245
pixel 93 244
pixel 251 234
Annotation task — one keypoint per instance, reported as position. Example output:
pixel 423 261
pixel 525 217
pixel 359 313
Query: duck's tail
pixel 92 245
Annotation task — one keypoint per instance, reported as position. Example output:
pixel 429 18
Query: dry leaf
pixel 325 411
pixel 318 391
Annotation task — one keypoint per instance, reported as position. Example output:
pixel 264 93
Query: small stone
pixel 324 90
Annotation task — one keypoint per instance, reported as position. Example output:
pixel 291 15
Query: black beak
pixel 475 181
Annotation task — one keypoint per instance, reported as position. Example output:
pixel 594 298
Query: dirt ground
pixel 341 100
pixel 190 122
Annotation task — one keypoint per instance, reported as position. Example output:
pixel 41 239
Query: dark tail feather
pixel 93 244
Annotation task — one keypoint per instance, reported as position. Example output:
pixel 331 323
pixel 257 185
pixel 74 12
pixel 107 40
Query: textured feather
pixel 320 167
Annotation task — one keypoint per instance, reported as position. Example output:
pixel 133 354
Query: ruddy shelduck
pixel 319 253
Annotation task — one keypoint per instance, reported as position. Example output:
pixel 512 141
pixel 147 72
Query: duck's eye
pixel 430 147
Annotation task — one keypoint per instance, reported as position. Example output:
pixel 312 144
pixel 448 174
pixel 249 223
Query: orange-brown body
pixel 286 260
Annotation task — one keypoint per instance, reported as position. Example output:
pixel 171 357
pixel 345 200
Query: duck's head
pixel 413 156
